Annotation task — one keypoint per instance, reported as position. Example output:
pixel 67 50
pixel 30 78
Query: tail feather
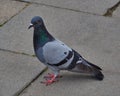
pixel 97 67
pixel 98 74
pixel 96 71
pixel 87 67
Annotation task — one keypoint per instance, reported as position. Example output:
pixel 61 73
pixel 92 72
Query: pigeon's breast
pixel 55 51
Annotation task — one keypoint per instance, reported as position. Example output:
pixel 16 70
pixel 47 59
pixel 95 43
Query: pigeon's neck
pixel 41 37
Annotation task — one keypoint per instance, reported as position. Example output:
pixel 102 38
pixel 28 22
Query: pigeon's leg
pixel 52 75
pixel 52 78
pixel 49 75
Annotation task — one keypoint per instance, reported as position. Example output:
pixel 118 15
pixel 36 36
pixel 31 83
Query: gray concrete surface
pixel 90 6
pixel 9 8
pixel 72 84
pixel 16 71
pixel 15 35
pixel 95 37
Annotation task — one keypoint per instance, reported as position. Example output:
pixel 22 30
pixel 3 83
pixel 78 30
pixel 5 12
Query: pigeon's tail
pixel 98 74
pixel 96 71
pixel 95 66
pixel 87 67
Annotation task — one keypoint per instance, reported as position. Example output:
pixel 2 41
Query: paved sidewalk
pixel 17 68
pixel 87 6
pixel 78 23
pixel 9 8
pixel 16 71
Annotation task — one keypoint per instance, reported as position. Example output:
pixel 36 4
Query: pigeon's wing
pixel 56 53
pixel 82 65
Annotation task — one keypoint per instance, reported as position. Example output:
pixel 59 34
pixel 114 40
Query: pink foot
pixel 49 81
pixel 50 78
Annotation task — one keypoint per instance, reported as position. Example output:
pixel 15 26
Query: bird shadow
pixel 76 77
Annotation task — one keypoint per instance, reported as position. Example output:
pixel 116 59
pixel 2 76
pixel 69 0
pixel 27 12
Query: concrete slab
pixel 74 84
pixel 116 13
pixel 90 6
pixel 16 71
pixel 9 8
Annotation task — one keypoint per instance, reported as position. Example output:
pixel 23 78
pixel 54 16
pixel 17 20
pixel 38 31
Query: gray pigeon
pixel 57 55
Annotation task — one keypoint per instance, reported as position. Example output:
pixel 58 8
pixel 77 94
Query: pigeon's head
pixel 36 22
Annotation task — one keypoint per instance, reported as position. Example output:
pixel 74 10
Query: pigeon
pixel 57 56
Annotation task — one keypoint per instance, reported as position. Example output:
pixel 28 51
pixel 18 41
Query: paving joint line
pixel 110 11
pixel 48 5
pixel 32 81
pixel 27 4
pixel 22 53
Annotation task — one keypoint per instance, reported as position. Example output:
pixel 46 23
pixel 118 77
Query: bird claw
pixel 50 78
pixel 48 82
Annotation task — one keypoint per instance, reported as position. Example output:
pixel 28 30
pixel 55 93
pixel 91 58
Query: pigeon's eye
pixel 39 22
pixel 35 23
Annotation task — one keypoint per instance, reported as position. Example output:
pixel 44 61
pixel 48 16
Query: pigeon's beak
pixel 31 25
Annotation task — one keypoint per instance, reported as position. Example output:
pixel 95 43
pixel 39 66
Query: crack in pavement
pixel 29 83
pixel 53 6
pixel 27 4
pixel 110 11
pixel 107 13
pixel 22 53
